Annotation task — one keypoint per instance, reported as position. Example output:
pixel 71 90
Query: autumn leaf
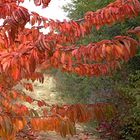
pixel 29 99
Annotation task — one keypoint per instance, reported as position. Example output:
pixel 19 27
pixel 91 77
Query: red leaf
pixel 40 103
pixel 14 94
pixel 29 99
pixel 63 58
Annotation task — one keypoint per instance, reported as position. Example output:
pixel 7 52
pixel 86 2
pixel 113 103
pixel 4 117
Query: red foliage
pixel 62 119
pixel 23 52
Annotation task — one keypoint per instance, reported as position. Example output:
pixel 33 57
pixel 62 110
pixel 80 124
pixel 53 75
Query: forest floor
pixel 48 93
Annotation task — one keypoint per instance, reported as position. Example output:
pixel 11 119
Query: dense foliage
pixel 25 51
